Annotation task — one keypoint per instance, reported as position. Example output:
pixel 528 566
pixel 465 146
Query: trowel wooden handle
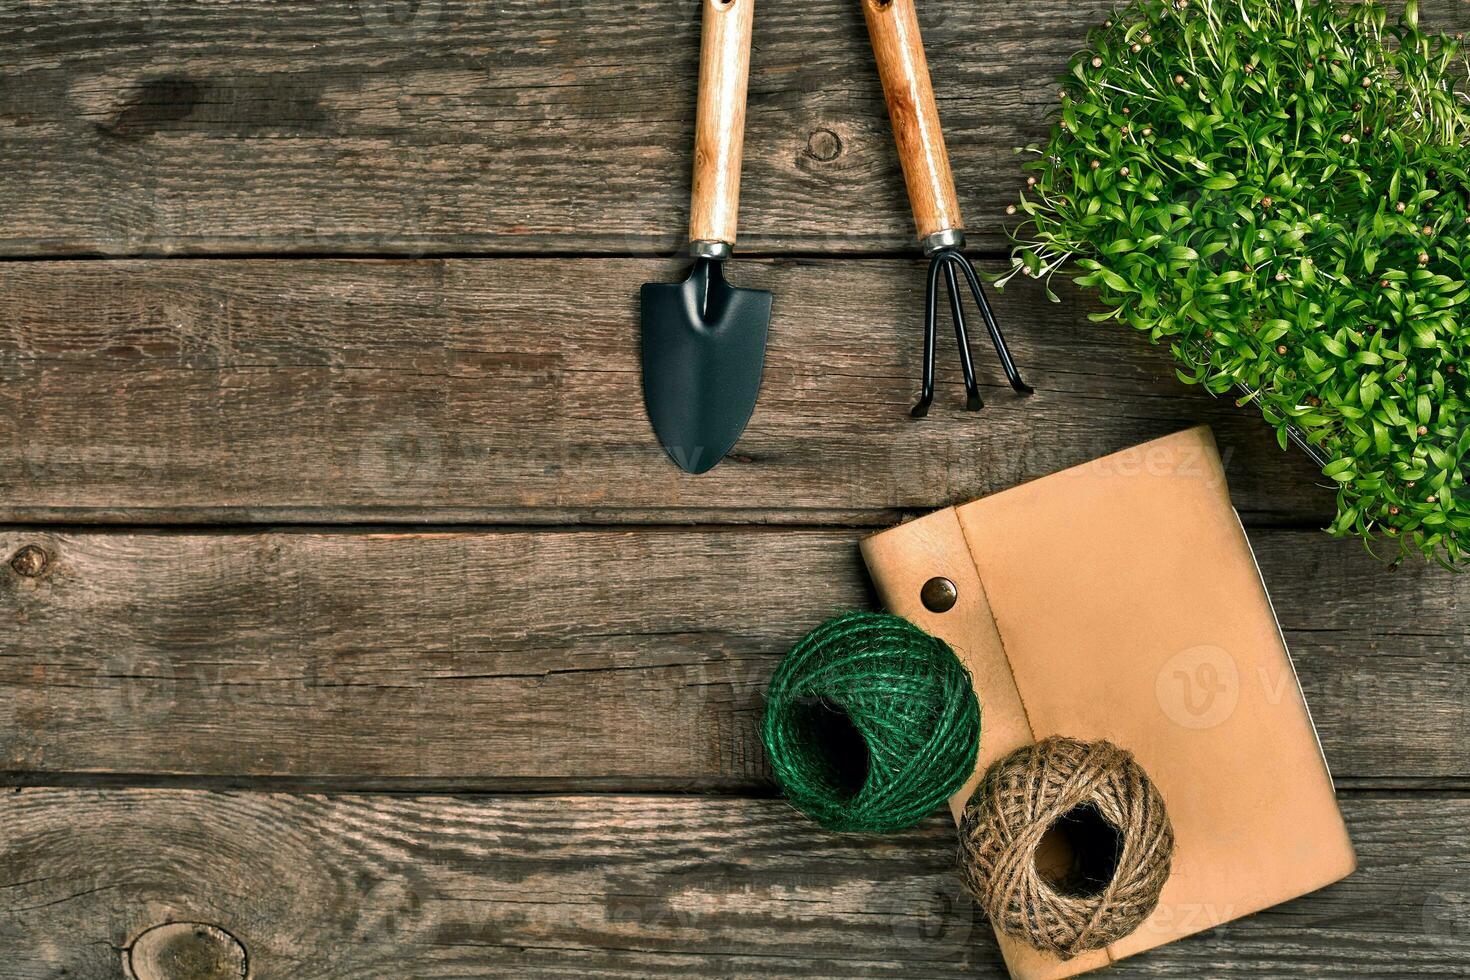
pixel 893 26
pixel 719 128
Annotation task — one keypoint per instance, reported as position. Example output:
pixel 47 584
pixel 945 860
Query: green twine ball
pixel 871 723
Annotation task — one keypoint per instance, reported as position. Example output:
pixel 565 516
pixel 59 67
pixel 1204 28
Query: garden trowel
pixel 704 341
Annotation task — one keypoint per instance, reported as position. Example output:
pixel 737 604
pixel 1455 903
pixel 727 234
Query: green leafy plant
pixel 1279 191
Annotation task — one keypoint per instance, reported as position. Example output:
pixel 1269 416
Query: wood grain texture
pixel 371 126
pixel 719 121
pixel 898 49
pixel 457 391
pixel 321 888
pixel 506 391
pixel 548 659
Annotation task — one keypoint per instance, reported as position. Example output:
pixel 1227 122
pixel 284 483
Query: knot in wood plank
pixel 30 561
pixel 824 145
pixel 186 951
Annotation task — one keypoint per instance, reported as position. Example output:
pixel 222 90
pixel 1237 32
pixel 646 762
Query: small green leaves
pixel 1281 193
pixel 1341 470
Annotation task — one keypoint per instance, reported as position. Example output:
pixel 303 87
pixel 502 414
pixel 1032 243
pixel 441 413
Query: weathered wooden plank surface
pixel 384 126
pixel 457 391
pixel 383 886
pixel 506 391
pixel 610 659
pixel 379 126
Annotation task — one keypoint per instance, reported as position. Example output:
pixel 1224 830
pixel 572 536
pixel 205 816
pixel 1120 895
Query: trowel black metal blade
pixel 704 348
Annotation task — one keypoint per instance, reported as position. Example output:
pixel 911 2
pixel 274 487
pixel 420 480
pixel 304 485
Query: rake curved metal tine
pixel 1013 374
pixel 973 402
pixel 931 330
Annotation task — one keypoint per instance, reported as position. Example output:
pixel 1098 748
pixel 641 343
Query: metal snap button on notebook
pixel 939 595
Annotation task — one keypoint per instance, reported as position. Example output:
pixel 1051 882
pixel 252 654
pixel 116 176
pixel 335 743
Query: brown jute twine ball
pixel 1047 784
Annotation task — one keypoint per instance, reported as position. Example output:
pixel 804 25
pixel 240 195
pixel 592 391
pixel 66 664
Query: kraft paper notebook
pixel 1120 600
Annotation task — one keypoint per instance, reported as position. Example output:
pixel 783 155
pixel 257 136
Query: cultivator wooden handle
pixel 719 128
pixel 893 26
